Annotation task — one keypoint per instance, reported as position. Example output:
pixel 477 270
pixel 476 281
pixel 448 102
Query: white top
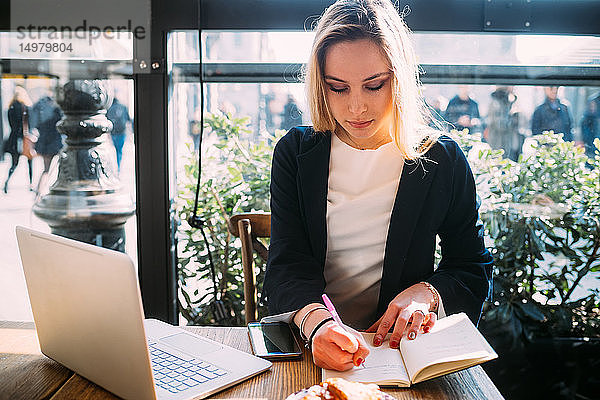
pixel 361 193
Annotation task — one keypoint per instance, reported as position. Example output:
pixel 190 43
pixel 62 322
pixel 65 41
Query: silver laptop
pixel 88 314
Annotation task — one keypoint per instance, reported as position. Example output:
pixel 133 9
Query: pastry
pixel 341 389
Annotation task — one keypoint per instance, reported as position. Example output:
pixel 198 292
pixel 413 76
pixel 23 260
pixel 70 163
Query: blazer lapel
pixel 313 174
pixel 412 190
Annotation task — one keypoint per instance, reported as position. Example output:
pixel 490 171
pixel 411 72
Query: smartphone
pixel 273 340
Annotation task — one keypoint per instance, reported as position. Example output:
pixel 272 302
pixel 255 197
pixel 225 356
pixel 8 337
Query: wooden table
pixel 25 373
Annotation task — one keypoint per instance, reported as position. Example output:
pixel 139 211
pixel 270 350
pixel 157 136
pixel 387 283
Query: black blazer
pixel 436 196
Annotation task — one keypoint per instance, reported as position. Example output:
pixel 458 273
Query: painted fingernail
pixel 412 335
pixel 393 344
pixel 377 341
pixel 426 329
pixel 359 361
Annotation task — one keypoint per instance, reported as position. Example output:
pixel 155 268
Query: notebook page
pixel 383 366
pixel 451 339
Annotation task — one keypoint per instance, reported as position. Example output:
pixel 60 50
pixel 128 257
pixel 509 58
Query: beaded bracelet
pixel 301 326
pixel 314 331
pixel 435 294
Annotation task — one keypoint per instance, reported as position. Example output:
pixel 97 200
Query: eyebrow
pixel 333 78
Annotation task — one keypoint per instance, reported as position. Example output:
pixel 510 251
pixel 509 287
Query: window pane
pixel 432 48
pixel 487 49
pixel 509 115
pixel 478 111
pixel 270 107
pixel 73 184
pixel 265 105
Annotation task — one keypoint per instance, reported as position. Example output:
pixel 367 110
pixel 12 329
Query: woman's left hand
pixel 411 306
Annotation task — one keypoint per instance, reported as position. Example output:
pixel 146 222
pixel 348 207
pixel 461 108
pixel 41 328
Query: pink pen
pixel 332 310
pixel 335 315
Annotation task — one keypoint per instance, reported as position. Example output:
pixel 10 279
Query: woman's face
pixel 358 87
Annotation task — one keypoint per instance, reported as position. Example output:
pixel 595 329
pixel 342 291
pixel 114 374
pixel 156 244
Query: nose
pixel 356 104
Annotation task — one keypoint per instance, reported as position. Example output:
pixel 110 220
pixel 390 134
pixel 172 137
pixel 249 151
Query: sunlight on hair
pixel 379 21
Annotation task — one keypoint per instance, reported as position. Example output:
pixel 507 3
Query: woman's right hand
pixel 333 346
pixel 338 348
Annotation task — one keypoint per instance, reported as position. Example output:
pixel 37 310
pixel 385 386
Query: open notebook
pixel 454 343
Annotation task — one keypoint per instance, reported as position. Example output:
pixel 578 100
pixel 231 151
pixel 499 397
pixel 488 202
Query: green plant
pixel 541 213
pixel 235 178
pixel 542 220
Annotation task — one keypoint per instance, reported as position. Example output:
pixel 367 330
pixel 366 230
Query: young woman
pixel 358 199
pixel 18 115
pixel 45 114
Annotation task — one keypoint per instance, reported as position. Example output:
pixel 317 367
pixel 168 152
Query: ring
pixel 421 311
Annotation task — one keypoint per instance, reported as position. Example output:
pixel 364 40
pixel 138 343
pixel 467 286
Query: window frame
pixel 156 219
pixel 227 72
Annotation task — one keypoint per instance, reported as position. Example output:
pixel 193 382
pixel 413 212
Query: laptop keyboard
pixel 175 374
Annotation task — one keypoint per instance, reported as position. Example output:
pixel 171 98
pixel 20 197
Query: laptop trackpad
pixel 190 344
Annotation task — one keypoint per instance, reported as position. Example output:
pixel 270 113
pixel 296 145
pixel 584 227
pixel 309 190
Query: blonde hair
pixel 379 21
pixel 21 96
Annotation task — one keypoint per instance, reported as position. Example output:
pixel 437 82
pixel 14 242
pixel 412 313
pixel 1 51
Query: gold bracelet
pixel 435 294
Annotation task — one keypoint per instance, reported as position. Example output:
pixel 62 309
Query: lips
pixel 360 124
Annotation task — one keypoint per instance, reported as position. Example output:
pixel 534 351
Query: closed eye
pixel 376 88
pixel 337 89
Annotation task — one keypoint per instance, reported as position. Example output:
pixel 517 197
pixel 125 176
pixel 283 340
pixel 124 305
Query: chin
pixel 361 133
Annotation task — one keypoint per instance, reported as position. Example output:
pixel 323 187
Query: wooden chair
pixel 249 227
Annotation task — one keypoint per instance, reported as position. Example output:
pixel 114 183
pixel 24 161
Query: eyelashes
pixel 376 88
pixel 344 89
pixel 337 90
